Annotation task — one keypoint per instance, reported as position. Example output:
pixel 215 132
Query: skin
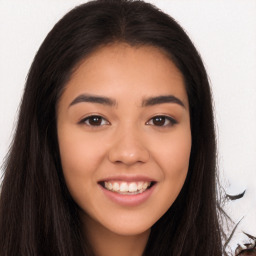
pixel 128 141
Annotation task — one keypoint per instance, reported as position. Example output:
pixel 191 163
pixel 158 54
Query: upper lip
pixel 127 178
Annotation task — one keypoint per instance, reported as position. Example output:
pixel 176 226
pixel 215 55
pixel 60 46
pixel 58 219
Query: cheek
pixel 80 157
pixel 173 153
pixel 78 148
pixel 172 156
pixel 175 167
pixel 178 161
pixel 177 156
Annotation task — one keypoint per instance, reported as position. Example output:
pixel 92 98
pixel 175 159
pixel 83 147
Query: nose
pixel 128 148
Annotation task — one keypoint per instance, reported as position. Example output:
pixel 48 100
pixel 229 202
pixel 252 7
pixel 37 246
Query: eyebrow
pixel 93 99
pixel 111 102
pixel 161 100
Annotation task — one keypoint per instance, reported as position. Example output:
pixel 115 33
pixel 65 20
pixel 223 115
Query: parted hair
pixel 37 213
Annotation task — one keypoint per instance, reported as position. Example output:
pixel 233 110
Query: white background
pixel 223 31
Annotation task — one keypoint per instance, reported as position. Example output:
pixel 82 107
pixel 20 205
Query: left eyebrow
pixel 93 99
pixel 161 100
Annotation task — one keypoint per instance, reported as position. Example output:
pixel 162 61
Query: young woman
pixel 114 151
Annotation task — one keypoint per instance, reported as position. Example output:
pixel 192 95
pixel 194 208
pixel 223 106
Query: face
pixel 124 136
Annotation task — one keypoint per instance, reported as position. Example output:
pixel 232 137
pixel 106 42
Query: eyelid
pixel 171 120
pixel 83 120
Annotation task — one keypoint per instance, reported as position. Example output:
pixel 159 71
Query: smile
pixel 127 188
pixel 128 192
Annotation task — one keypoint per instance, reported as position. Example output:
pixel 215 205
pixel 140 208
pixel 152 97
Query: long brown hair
pixel 37 214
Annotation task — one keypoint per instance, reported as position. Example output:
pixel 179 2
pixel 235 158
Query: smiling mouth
pixel 127 188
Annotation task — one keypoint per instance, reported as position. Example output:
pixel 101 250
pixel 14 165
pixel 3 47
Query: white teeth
pixel 127 188
pixel 115 186
pixel 140 185
pixel 145 185
pixel 133 187
pixel 110 186
pixel 124 187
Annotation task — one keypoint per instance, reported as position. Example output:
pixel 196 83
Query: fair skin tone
pixel 124 136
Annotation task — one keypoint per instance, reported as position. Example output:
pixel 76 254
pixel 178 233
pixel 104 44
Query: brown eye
pixel 95 121
pixel 159 120
pixel 162 121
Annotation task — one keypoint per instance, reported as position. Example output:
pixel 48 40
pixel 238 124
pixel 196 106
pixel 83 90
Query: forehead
pixel 121 68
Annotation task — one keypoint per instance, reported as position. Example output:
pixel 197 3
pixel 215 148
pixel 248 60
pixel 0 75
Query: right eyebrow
pixel 161 100
pixel 93 99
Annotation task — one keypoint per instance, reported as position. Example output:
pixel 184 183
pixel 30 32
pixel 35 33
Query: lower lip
pixel 129 200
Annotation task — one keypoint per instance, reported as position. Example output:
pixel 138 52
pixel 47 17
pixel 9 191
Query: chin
pixel 131 231
pixel 128 227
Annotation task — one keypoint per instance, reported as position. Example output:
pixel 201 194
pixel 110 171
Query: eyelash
pixel 93 118
pixel 168 121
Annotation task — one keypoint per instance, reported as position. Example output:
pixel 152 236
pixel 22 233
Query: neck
pixel 107 243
